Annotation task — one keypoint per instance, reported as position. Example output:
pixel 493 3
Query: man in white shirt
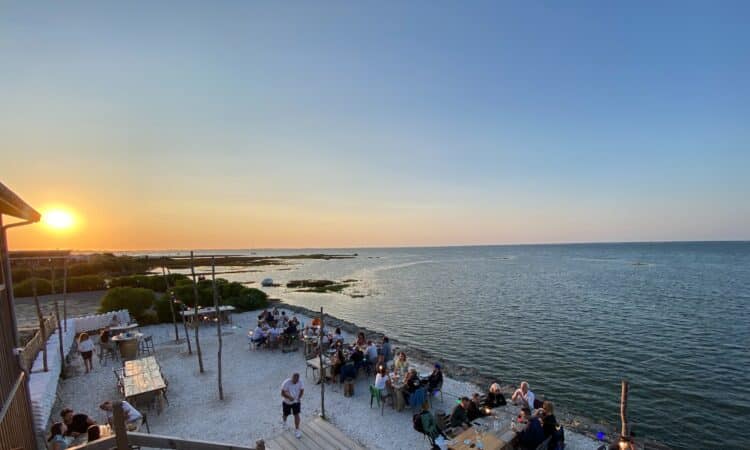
pixel 133 418
pixel 523 396
pixel 259 335
pixel 292 390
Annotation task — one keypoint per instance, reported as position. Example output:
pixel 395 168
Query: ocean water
pixel 573 320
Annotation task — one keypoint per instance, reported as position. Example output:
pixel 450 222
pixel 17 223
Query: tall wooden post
pixel 322 369
pixel 625 431
pixel 184 324
pixel 171 304
pixel 195 314
pixel 57 317
pixel 42 329
pixel 65 293
pixel 118 422
pixel 218 321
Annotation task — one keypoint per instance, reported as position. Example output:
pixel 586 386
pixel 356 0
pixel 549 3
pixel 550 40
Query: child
pixel 86 347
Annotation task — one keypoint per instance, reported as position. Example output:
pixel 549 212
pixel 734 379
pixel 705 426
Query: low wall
pixel 99 321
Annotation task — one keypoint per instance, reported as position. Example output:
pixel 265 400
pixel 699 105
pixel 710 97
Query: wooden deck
pixel 316 435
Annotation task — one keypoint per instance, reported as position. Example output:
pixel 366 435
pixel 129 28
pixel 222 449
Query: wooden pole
pixel 184 325
pixel 322 370
pixel 42 330
pixel 625 432
pixel 121 432
pixel 65 294
pixel 195 314
pixel 218 321
pixel 57 317
pixel 171 304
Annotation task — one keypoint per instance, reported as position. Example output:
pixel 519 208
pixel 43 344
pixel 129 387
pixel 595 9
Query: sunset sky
pixel 344 124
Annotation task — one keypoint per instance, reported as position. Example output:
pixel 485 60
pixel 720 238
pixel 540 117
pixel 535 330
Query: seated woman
pixel 495 398
pixel 411 383
pixel 549 422
pixel 57 440
pixel 532 435
pixel 383 381
pixel 435 379
pixel 337 337
pixel 361 341
pixel 401 365
pixel 259 335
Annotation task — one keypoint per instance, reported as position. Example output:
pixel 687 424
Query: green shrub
pixel 82 283
pixel 153 282
pixel 163 311
pixel 248 300
pixel 149 317
pixel 24 288
pixel 135 300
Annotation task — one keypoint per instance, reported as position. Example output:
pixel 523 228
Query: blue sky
pixel 422 123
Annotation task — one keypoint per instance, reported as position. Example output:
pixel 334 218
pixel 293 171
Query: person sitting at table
pixel 259 335
pixel 115 321
pixel 348 370
pixel 385 353
pixel 133 417
pixel 475 410
pixel 411 383
pixel 295 320
pixel 372 353
pixel 495 398
pixel 276 314
pixel 361 342
pixel 523 396
pixel 265 316
pixel 75 424
pixel 337 337
pixel 549 422
pixel 93 433
pixel 290 332
pixel 284 319
pixel 435 379
pixel 459 417
pixel 316 322
pixel 401 364
pixel 56 439
pixel 429 424
pixel 357 357
pixel 532 434
pixel 382 381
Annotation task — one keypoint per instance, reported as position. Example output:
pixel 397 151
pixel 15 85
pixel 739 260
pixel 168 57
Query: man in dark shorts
pixel 77 423
pixel 292 390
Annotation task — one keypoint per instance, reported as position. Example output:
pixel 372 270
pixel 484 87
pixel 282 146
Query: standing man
pixel 292 390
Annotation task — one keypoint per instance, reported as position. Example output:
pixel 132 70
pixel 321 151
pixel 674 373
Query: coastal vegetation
pixel 102 270
pixel 319 286
pixel 150 305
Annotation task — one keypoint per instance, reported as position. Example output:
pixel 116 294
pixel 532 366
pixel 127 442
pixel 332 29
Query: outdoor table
pixel 472 436
pixel 314 364
pixel 492 439
pixel 143 383
pixel 398 394
pixel 209 313
pixel 123 328
pixel 127 344
pixel 143 365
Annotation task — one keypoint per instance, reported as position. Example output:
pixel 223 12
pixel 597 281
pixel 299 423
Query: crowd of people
pixel 76 425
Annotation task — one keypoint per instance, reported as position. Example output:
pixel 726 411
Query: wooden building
pixel 16 426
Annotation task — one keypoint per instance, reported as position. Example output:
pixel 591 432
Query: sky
pixel 166 125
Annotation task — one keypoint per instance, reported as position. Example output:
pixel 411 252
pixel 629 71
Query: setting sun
pixel 58 219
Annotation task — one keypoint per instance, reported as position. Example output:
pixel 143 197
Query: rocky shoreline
pixel 453 370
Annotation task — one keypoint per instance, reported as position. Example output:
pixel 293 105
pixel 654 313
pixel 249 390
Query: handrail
pixel 157 441
pixel 12 395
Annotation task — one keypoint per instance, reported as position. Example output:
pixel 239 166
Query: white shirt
pixel 292 389
pixel 380 381
pixel 528 397
pixel 86 346
pixel 258 333
pixel 131 414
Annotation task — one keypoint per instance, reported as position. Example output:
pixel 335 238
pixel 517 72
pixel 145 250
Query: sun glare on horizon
pixel 58 219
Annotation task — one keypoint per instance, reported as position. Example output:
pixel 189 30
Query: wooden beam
pixel 156 441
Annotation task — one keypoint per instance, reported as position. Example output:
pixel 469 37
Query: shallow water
pixel 573 320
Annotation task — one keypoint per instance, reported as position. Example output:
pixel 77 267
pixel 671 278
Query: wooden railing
pixel 35 345
pixel 122 439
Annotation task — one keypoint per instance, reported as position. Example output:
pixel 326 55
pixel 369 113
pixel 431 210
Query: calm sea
pixel 573 320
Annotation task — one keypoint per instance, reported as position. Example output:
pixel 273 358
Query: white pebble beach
pixel 251 409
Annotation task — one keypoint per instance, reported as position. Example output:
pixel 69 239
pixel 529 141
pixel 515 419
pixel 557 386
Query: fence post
pixel 121 432
pixel 322 369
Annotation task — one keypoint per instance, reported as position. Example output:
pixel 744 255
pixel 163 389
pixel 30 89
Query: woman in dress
pixel 86 348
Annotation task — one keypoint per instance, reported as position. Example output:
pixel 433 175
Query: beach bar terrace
pixel 16 425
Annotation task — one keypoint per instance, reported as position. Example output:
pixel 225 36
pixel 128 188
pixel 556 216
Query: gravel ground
pixel 251 408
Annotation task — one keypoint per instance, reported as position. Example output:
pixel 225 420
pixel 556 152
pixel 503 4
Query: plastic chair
pixel 378 395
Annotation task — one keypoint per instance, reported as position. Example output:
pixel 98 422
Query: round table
pixel 127 345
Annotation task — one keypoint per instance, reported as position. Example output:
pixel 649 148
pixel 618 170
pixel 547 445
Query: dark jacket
pixel 459 417
pixel 531 436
